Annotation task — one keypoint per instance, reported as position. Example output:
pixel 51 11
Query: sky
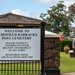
pixel 30 8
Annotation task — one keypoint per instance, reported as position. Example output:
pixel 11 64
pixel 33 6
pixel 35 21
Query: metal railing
pixel 26 67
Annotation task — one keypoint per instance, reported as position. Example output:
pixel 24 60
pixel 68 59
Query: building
pixel 13 20
pixel 72 32
pixel 52 50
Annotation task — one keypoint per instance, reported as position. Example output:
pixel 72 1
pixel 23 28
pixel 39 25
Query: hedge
pixel 65 42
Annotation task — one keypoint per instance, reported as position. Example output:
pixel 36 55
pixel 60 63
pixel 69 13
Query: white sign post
pixel 20 43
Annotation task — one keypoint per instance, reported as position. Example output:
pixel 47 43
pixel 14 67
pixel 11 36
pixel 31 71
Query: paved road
pixel 73 73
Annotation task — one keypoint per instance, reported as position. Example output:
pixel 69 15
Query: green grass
pixel 67 64
pixel 19 74
pixel 17 67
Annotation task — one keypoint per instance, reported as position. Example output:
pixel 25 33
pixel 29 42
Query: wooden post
pixel 42 47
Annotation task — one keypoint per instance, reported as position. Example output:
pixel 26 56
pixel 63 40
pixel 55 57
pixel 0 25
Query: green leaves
pixel 59 18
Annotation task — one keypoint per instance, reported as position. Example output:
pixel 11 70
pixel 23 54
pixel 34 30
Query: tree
pixel 72 11
pixel 59 18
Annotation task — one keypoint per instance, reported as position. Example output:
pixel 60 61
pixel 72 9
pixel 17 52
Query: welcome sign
pixel 20 43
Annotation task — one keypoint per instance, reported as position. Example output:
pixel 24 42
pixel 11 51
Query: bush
pixel 65 42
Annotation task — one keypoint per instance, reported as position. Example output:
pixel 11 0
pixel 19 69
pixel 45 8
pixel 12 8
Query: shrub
pixel 65 42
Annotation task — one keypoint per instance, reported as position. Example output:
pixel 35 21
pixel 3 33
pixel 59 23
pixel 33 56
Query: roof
pixel 72 29
pixel 50 34
pixel 10 18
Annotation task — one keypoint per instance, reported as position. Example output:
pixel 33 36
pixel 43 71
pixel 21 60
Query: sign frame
pixel 39 41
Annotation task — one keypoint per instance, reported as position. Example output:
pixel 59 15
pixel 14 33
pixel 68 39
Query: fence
pixel 35 66
pixel 26 67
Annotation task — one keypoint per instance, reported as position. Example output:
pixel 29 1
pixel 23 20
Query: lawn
pixel 26 68
pixel 19 74
pixel 67 64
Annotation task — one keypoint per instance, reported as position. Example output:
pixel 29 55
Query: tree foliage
pixel 59 18
pixel 72 11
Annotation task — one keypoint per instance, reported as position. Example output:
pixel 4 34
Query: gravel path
pixel 73 73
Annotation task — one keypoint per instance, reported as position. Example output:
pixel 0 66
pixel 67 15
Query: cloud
pixel 20 12
pixel 42 1
pixel 52 2
pixel 69 2
pixel 26 13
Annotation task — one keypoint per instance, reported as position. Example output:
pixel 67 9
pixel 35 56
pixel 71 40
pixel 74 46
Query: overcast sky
pixel 30 8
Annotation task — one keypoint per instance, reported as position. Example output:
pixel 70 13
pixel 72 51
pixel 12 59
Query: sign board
pixel 20 43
